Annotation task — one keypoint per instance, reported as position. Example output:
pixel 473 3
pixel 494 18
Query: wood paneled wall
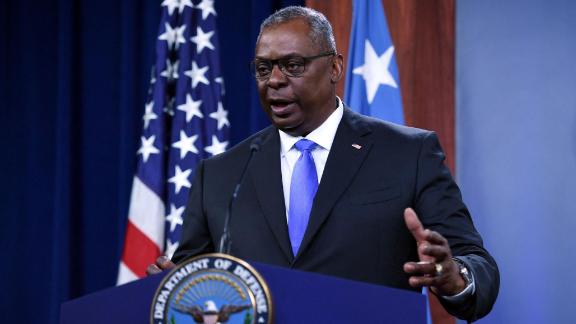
pixel 423 36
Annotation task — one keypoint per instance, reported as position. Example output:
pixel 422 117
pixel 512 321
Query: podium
pixel 298 297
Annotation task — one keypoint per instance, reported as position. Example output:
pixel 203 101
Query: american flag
pixel 184 121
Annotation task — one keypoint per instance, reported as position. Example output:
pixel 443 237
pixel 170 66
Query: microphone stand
pixel 226 240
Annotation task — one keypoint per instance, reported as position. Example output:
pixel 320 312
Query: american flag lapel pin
pixel 356 146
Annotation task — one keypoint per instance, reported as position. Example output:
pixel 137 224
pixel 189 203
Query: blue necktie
pixel 302 191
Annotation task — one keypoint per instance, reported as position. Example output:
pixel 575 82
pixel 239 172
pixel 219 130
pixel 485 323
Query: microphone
pixel 225 240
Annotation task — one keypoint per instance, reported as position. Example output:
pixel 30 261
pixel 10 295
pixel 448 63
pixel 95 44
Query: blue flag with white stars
pixel 372 85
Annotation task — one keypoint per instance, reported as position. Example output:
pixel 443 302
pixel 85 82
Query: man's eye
pixel 263 68
pixel 294 65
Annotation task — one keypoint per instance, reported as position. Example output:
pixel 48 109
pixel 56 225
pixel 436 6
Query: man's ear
pixel 337 68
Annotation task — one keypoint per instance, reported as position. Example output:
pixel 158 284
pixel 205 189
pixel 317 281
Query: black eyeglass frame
pixel 282 67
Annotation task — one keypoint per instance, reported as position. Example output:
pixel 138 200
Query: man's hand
pixel 162 263
pixel 436 268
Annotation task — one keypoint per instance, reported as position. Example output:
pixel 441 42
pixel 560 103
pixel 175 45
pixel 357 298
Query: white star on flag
pixel 180 179
pixel 191 108
pixel 217 147
pixel 171 71
pixel 202 40
pixel 221 116
pixel 207 7
pixel 173 36
pixel 170 248
pixel 375 70
pixel 171 4
pixel 175 216
pixel 147 147
pixel 149 114
pixel 184 4
pixel 197 74
pixel 186 144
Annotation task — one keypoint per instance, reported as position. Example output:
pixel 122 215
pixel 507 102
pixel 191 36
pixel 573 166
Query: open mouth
pixel 280 106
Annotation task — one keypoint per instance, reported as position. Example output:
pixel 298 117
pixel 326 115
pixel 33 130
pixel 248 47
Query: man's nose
pixel 277 77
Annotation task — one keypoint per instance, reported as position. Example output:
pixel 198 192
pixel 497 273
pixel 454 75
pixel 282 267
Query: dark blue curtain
pixel 73 79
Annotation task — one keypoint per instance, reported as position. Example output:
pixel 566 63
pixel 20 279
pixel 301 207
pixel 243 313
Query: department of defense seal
pixel 212 288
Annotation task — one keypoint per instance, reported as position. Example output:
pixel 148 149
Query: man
pixel 334 192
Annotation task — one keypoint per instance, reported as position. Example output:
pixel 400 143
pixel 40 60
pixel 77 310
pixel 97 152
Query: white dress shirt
pixel 323 136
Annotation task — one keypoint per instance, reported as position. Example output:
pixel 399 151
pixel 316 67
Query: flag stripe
pixel 147 212
pixel 125 275
pixel 139 251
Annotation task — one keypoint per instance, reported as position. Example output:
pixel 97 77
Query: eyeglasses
pixel 292 66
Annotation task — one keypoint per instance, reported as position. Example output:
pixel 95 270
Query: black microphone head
pixel 255 145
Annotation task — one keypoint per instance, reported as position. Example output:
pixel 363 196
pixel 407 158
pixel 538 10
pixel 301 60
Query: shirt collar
pixel 323 135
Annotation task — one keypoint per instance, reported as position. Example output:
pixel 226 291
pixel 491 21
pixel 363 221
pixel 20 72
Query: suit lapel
pixel 348 151
pixel 267 178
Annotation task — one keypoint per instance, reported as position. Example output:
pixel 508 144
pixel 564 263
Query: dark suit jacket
pixel 356 228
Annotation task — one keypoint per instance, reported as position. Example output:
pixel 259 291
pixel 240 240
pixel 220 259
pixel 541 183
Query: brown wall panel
pixel 423 32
